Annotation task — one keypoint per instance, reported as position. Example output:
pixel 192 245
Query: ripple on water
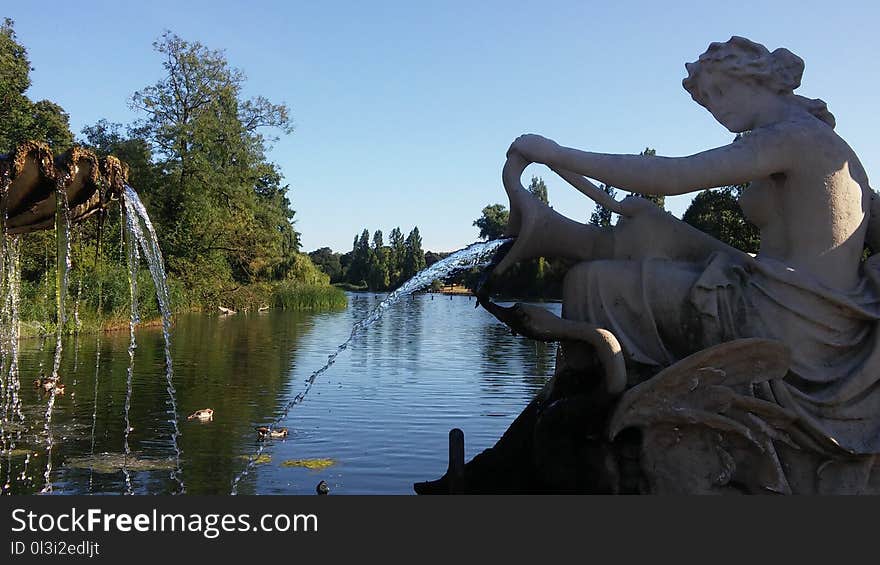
pixel 382 414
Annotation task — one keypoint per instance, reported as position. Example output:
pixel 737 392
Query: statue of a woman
pixel 667 290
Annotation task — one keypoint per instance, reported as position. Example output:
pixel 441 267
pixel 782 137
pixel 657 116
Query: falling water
pixel 94 408
pixel 474 255
pixel 77 324
pixel 62 279
pixel 62 273
pixel 140 229
pixel 133 262
pixel 12 417
pixel 5 338
pixel 95 395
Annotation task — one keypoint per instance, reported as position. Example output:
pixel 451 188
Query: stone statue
pixel 742 373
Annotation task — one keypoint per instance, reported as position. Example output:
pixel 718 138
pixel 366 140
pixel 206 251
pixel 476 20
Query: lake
pixel 376 422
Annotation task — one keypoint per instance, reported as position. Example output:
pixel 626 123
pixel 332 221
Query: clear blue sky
pixel 404 110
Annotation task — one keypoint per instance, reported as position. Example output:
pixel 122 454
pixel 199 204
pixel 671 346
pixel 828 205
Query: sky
pixel 403 111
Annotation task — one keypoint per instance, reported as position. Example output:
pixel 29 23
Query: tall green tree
pixel 378 240
pixel 539 189
pixel 377 273
pixel 414 258
pixel 20 118
pixel 395 257
pixel 493 221
pixel 224 213
pixel 359 262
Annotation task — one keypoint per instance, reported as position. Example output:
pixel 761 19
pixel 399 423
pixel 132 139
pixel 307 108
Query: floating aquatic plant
pixel 311 464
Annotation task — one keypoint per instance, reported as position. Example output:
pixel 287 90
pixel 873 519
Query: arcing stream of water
pixel 474 255
pixel 133 262
pixel 140 229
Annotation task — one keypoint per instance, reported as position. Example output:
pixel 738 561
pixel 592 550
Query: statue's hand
pixel 534 148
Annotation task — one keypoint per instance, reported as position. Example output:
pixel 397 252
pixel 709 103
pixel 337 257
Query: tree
pixel 493 221
pixel 431 257
pixel 377 271
pixel 328 261
pixel 658 200
pixel 395 256
pixel 602 216
pixel 539 189
pixel 223 211
pixel 106 138
pixel 378 241
pixel 20 118
pixel 359 265
pixel 414 258
pixel 717 213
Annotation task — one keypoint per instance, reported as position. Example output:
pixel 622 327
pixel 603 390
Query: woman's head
pixel 744 61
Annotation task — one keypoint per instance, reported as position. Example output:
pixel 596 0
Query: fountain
pixel 38 192
pixel 685 365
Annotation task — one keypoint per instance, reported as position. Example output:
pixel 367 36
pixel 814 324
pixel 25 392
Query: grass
pixel 294 296
pixel 38 304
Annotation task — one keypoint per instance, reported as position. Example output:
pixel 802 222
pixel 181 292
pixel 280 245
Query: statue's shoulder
pixel 793 130
pixel 805 139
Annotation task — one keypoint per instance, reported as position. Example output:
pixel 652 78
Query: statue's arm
pixel 759 154
pixel 595 193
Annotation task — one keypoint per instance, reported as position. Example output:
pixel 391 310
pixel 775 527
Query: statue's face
pixel 733 103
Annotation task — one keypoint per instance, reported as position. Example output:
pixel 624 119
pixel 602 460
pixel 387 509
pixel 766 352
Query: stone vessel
pixel 31 176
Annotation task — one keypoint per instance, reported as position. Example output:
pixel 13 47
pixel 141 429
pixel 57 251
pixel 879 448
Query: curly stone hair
pixel 779 71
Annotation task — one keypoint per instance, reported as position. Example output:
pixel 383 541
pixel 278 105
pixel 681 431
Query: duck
pixel 204 415
pixel 264 431
pixel 322 488
pixel 48 383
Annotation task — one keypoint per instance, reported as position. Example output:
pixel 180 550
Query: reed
pixel 294 296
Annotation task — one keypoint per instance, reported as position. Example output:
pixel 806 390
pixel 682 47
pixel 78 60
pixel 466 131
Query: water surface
pixel 377 421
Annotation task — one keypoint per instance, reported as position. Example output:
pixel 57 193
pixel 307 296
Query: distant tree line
pixel 374 265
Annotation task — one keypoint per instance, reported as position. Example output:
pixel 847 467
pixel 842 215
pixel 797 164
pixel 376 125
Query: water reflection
pixel 378 420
